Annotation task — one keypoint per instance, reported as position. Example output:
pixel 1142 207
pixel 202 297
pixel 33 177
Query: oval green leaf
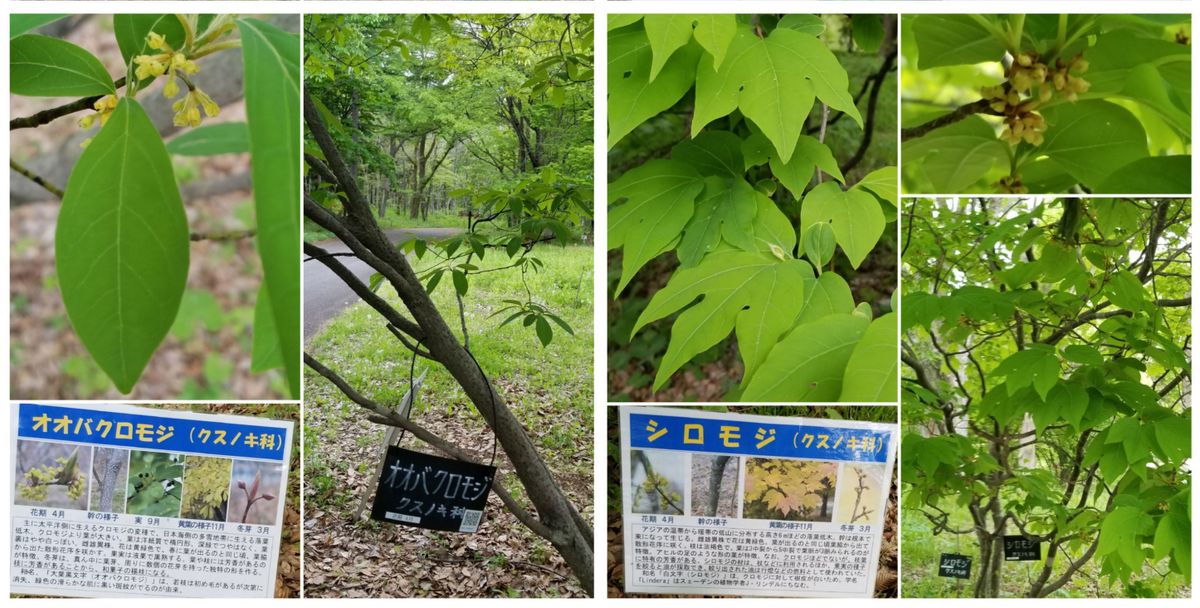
pixel 221 138
pixel 873 370
pixel 121 245
pixel 271 58
pixel 41 66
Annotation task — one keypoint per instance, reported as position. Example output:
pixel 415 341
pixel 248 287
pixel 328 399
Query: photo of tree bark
pixel 448 307
pixel 1046 396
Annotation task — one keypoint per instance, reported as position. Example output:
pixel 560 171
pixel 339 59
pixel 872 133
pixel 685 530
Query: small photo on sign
pixel 110 475
pixel 862 489
pixel 657 481
pixel 789 489
pixel 155 485
pixel 52 475
pixel 253 492
pixel 715 485
pixel 206 481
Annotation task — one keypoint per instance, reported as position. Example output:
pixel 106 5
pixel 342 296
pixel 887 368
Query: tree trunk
pixel 714 483
pixel 111 468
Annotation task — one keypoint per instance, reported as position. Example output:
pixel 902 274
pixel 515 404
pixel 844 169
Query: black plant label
pixel 1021 549
pixel 425 491
pixel 953 565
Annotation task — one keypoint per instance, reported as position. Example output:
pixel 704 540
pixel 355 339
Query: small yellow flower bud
pixel 210 107
pixel 87 121
pixel 108 103
pixel 157 42
pixel 171 89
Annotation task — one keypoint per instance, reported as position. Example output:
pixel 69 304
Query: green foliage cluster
pixel 155 485
pixel 752 204
pixel 656 488
pixel 1047 103
pixel 122 240
pixel 1047 352
pixel 207 482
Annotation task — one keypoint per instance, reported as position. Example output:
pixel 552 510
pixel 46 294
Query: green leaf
pixel 810 154
pixel 809 364
pixel 873 370
pixel 1092 138
pixel 131 32
pixel 41 66
pixel 265 352
pixel 857 220
pixel 616 22
pixel 1037 365
pixel 1172 537
pixel 460 282
pixel 1151 175
pixel 666 34
pixel 19 24
pixel 209 140
pixel 1126 291
pixel 661 197
pixel 121 245
pixel 867 31
pixel 544 332
pixel 712 153
pixel 715 33
pixel 1072 401
pixel 725 209
pixel 1126 64
pixel 633 96
pixel 758 293
pixel 773 232
pixel 827 295
pixel 819 243
pixel 808 24
pixel 1175 436
pixel 957 156
pixel 1083 355
pixel 882 183
pixel 1120 533
pixel 774 82
pixel 954 40
pixel 271 59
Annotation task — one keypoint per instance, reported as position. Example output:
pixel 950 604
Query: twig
pixel 45 116
pixel 976 107
pixel 35 178
pixel 225 235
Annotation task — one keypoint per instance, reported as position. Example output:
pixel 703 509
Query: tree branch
pixel 35 178
pixel 976 107
pixel 46 116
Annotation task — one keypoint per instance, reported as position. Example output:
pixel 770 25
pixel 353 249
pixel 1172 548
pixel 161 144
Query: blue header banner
pixel 754 438
pixel 214 437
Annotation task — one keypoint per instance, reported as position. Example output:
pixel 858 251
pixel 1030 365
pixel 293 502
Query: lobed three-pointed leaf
pixel 724 210
pixel 633 96
pixel 659 200
pixel 774 82
pixel 121 245
pixel 757 292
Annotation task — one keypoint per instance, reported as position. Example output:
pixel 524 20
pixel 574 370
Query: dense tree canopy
pixel 1046 386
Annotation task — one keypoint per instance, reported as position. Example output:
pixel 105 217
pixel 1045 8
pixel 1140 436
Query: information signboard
pixel 953 565
pixel 718 503
pixel 125 501
pixel 1020 549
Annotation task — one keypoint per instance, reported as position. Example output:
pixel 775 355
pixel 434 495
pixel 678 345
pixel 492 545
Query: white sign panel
pixel 123 501
pixel 728 504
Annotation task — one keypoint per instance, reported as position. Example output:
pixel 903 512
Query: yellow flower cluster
pixel 173 63
pixel 104 108
pixel 1021 119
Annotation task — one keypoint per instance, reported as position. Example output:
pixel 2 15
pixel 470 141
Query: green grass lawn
pixel 446 219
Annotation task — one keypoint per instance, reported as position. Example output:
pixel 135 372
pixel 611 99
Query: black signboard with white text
pixel 1021 549
pixel 425 491
pixel 953 565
